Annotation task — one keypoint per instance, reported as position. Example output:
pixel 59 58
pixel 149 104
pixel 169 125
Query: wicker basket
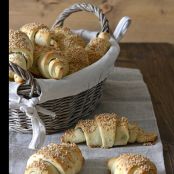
pixel 68 109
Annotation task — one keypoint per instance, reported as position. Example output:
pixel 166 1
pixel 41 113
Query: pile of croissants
pixel 52 54
pixel 106 130
pixel 67 158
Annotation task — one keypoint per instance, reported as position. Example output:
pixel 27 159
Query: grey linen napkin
pixel 124 93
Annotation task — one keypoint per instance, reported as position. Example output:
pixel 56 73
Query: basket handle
pixel 27 76
pixel 122 28
pixel 83 7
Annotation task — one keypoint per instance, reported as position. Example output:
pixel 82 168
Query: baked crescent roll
pixel 39 34
pixel 67 39
pixel 60 35
pixel 77 58
pixel 131 164
pixel 49 63
pixel 20 52
pixel 41 167
pixel 73 40
pixel 97 47
pixel 107 130
pixel 122 132
pixel 56 158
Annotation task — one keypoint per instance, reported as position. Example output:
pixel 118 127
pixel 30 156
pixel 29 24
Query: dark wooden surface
pixel 156 62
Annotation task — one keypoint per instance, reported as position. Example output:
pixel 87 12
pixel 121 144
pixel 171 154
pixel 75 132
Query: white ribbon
pixel 31 110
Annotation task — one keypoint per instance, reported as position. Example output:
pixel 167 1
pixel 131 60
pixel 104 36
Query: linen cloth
pixel 125 93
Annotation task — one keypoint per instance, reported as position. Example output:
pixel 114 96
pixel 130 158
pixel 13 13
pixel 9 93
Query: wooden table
pixel 156 62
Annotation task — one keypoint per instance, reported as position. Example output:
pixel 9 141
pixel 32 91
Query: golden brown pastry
pixel 131 164
pixel 41 167
pixel 73 40
pixel 20 52
pixel 107 130
pixel 61 33
pixel 67 39
pixel 40 34
pixel 97 47
pixel 56 159
pixel 49 63
pixel 77 58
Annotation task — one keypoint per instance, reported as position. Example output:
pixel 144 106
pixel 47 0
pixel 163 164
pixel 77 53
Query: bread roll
pixel 97 47
pixel 67 39
pixel 20 52
pixel 40 34
pixel 49 63
pixel 107 130
pixel 56 158
pixel 77 58
pixel 61 33
pixel 41 167
pixel 131 164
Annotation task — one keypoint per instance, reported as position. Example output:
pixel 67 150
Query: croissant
pixel 107 130
pixel 131 164
pixel 39 34
pixel 56 159
pixel 41 167
pixel 67 39
pixel 97 47
pixel 49 63
pixel 20 52
pixel 77 58
pixel 60 34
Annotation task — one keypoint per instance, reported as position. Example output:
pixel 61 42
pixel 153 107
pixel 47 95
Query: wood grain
pixel 152 20
pixel 156 62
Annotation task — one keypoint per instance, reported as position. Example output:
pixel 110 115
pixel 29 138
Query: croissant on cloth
pixel 67 39
pixel 49 63
pixel 56 159
pixel 97 47
pixel 40 34
pixel 20 52
pixel 130 163
pixel 107 130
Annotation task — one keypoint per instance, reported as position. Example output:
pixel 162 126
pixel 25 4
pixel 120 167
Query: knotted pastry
pixel 49 63
pixel 20 52
pixel 77 58
pixel 67 39
pixel 107 130
pixel 39 34
pixel 56 159
pixel 131 164
pixel 97 47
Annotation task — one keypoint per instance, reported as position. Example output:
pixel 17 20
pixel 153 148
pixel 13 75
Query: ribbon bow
pixel 31 109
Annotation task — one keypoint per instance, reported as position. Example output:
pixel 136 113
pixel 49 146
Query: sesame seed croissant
pixel 130 163
pixel 77 58
pixel 56 159
pixel 66 39
pixel 40 34
pixel 97 47
pixel 41 167
pixel 20 52
pixel 107 130
pixel 49 63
